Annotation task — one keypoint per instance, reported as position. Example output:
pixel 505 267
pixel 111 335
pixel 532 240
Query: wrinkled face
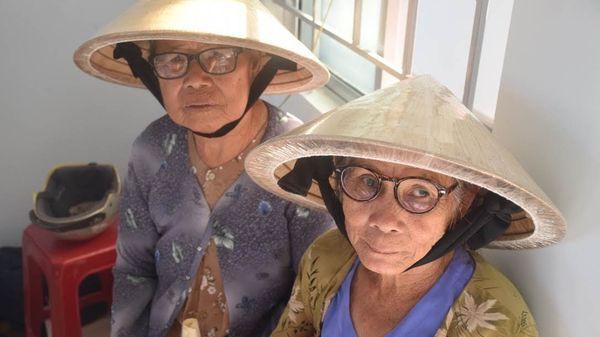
pixel 386 237
pixel 203 102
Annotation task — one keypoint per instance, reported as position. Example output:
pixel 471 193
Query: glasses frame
pixel 442 191
pixel 196 57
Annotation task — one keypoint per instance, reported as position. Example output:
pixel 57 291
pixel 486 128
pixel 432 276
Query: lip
pixel 378 251
pixel 197 106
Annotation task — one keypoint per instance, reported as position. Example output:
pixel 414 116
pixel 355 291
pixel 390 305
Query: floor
pixel 99 328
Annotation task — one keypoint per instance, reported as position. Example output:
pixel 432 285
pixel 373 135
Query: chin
pixel 385 263
pixel 194 127
pixel 205 122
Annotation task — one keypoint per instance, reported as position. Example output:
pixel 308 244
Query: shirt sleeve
pixel 134 273
pixel 304 226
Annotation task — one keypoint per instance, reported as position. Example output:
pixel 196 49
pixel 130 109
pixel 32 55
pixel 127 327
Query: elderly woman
pixel 415 184
pixel 201 248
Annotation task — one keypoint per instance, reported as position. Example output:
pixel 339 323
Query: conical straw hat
pixel 241 23
pixel 420 123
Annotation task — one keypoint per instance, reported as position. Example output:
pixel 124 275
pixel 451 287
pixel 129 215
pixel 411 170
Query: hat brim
pixel 247 24
pixel 539 225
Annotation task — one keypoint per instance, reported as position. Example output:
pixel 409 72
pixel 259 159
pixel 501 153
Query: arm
pixel 134 272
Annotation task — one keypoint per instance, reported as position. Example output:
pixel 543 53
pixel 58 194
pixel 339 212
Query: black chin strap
pixel 486 220
pixel 140 68
pixel 299 180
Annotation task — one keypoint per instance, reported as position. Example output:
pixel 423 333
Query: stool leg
pixel 34 298
pixel 106 281
pixel 64 307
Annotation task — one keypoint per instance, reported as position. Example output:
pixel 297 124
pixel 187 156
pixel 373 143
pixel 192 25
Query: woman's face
pixel 203 102
pixel 387 238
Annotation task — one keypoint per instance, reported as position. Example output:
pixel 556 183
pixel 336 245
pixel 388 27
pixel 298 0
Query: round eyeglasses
pixel 414 194
pixel 215 61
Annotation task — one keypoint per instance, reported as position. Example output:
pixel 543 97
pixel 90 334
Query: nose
pixel 196 77
pixel 385 213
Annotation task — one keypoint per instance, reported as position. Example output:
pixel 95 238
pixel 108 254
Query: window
pixel 368 44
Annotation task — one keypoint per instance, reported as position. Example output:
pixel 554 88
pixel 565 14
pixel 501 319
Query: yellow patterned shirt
pixel 490 305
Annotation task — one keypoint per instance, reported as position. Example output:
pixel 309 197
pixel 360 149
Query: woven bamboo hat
pixel 241 23
pixel 420 123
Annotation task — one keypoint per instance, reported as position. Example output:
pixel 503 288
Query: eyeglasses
pixel 215 61
pixel 414 194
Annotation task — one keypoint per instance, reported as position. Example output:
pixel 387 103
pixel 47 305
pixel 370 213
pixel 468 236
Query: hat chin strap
pixel 299 180
pixel 140 68
pixel 486 220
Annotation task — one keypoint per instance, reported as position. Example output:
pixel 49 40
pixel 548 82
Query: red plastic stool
pixel 64 265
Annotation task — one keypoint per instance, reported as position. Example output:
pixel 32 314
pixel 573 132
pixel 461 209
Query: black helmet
pixel 77 197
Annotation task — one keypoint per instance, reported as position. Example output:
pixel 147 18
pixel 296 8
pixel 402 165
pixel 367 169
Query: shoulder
pixel 330 244
pixel 495 283
pixel 282 121
pixel 491 305
pixel 156 132
pixel 153 145
pixel 322 270
pixel 328 255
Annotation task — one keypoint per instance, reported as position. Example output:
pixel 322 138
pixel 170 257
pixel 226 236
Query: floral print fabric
pixel 489 305
pixel 424 318
pixel 206 302
pixel 166 226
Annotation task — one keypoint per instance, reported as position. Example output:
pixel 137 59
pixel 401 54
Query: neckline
pixel 258 138
pixel 459 270
pixel 268 133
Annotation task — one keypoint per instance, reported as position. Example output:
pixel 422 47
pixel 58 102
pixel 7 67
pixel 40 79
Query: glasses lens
pixel 359 183
pixel 170 65
pixel 417 195
pixel 218 61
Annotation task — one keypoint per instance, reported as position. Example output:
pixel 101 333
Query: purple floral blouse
pixel 166 225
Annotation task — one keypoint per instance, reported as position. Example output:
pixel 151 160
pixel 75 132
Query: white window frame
pixel 390 14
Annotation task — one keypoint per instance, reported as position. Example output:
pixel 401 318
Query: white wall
pixel 442 42
pixel 549 116
pixel 53 113
pixel 50 111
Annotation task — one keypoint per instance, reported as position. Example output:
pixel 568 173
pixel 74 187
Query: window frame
pixel 385 67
